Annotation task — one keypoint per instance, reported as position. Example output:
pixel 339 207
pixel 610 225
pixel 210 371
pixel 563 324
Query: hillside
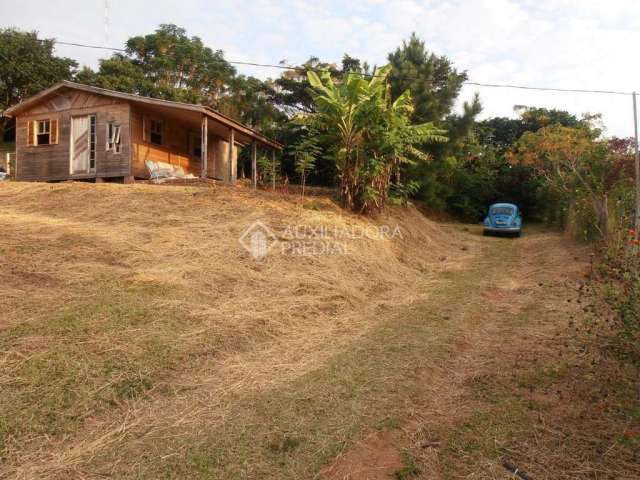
pixel 118 299
pixel 139 339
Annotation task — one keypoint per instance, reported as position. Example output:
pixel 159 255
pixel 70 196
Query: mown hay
pixel 134 308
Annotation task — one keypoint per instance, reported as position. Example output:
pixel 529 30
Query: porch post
pixel 254 164
pixel 273 163
pixel 232 164
pixel 204 146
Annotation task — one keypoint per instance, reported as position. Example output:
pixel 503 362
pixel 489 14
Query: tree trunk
pixel 601 210
pixel 605 217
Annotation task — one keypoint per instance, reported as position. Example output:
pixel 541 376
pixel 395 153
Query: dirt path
pixel 510 391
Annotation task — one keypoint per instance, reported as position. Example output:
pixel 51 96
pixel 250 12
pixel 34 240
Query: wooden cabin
pixel 75 131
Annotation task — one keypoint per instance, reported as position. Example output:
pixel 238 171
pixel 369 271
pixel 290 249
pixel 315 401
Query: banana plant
pixel 371 135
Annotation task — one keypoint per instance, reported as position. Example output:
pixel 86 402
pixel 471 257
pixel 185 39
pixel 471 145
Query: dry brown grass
pixel 138 339
pixel 119 299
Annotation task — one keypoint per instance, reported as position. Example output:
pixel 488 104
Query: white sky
pixel 586 44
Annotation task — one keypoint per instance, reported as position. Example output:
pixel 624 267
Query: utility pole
pixel 635 129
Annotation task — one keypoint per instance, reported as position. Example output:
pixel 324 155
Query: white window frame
pixel 93 140
pixel 114 130
pixel 39 124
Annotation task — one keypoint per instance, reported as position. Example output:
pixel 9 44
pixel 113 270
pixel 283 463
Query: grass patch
pixel 388 423
pixel 486 433
pixel 83 360
pixel 543 376
pixel 410 468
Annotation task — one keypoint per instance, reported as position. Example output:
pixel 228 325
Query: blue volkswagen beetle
pixel 503 218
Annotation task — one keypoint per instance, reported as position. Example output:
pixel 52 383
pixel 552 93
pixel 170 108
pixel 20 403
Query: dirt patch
pixel 374 458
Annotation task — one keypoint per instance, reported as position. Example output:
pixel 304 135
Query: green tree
pixel 291 91
pixel 472 170
pixel 291 94
pixel 502 132
pixel 169 64
pixel 166 64
pixel 573 163
pixel 116 73
pixel 438 178
pixel 269 170
pixel 250 101
pixel 354 65
pixel 27 66
pixel 177 65
pixel 499 132
pixel 432 80
pixel 533 119
pixel 370 134
pixel 306 152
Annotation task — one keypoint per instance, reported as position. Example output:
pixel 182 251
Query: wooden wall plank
pixel 174 151
pixel 51 162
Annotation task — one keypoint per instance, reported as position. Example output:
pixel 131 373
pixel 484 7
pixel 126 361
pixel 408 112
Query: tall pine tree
pixel 432 80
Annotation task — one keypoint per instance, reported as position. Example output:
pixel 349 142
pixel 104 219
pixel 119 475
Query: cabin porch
pixel 199 143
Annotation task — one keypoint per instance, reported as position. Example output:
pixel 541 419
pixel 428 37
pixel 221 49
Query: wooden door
pixel 79 145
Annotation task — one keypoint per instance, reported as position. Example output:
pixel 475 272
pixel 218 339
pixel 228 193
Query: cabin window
pixel 156 132
pixel 113 137
pixel 195 141
pixel 42 132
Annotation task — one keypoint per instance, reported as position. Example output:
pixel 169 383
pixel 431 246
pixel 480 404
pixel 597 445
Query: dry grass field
pixel 139 339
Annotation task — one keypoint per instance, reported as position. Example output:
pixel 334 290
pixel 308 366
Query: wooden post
pixel 204 146
pixel 637 167
pixel 273 163
pixel 232 166
pixel 254 164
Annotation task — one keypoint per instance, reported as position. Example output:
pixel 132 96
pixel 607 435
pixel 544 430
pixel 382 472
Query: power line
pixel 549 89
pixel 98 47
pixel 301 68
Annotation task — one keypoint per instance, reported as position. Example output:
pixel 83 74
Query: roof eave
pixel 242 128
pixel 11 111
